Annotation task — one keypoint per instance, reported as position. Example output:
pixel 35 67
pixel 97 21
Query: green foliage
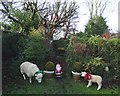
pixel 96 26
pixel 82 37
pixel 35 50
pixel 76 52
pixel 95 66
pixel 18 48
pixel 79 48
pixel 26 22
pixel 95 62
pixel 49 66
pixel 111 53
pixel 96 40
pixel 21 44
pixel 95 45
pixel 99 52
pixel 77 66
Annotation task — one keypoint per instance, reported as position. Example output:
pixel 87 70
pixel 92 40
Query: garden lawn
pixel 58 87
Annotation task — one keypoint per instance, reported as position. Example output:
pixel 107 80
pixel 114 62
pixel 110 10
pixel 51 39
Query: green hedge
pixel 18 49
pixel 36 50
pixel 9 45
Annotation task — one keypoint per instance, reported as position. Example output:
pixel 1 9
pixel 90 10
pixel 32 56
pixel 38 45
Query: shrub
pixel 76 67
pixel 95 45
pixel 98 53
pixel 35 50
pixel 95 65
pixel 50 66
pixel 75 50
pixel 79 48
pixel 21 44
pixel 96 61
pixel 111 53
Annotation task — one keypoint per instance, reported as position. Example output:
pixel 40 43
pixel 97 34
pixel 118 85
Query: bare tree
pixel 96 7
pixel 58 15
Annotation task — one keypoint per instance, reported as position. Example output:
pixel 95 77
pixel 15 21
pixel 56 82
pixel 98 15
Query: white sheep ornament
pixel 92 78
pixel 31 70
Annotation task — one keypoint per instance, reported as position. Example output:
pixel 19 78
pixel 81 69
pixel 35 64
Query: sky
pixel 111 14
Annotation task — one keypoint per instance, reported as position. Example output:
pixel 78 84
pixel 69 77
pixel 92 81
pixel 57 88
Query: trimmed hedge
pixel 9 46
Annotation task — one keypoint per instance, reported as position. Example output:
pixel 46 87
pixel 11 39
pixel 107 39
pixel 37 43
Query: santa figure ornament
pixel 58 70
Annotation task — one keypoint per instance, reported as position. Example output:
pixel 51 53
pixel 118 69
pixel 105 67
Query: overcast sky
pixel 111 13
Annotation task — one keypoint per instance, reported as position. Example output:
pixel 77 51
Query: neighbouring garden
pixel 29 36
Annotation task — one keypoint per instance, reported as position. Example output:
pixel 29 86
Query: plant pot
pixel 49 74
pixel 76 75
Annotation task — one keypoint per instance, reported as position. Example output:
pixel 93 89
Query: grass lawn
pixel 58 87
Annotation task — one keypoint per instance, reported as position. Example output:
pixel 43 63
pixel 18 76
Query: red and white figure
pixel 92 78
pixel 58 70
pixel 88 76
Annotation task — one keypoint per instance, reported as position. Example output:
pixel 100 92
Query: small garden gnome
pixel 58 71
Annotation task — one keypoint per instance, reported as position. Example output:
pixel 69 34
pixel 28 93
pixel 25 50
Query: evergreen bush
pixel 35 50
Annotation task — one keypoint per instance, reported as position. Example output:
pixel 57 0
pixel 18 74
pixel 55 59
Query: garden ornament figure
pixel 58 70
pixel 31 70
pixel 92 78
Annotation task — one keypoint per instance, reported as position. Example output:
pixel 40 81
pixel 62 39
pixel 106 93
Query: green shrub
pixel 76 52
pixel 96 61
pixel 35 50
pixel 111 53
pixel 50 66
pixel 76 67
pixel 95 45
pixel 95 65
pixel 99 52
pixel 21 44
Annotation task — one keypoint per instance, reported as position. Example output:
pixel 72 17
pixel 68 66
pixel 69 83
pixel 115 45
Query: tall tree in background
pixel 96 26
pixel 59 15
pixel 23 17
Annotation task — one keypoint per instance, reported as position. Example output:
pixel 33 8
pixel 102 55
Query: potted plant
pixel 49 69
pixel 76 71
